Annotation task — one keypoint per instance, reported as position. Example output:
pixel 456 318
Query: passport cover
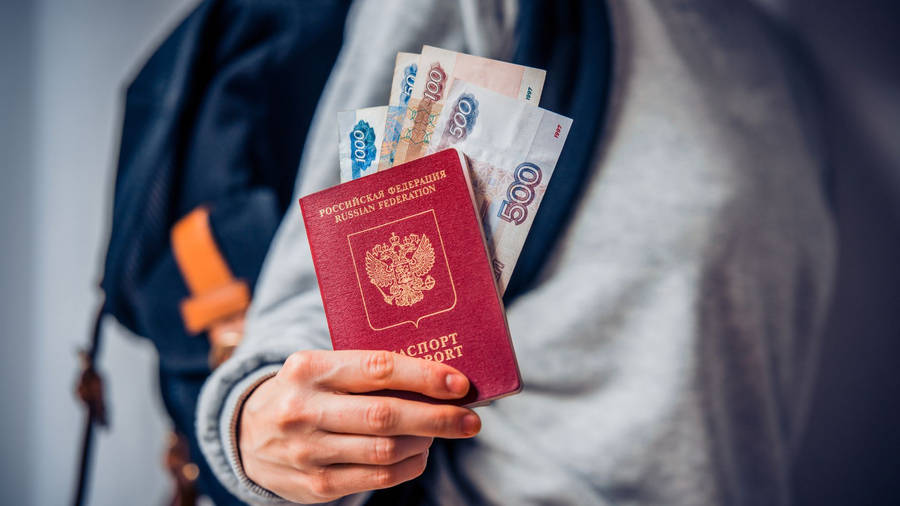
pixel 402 265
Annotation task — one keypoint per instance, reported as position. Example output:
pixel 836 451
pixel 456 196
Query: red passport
pixel 402 265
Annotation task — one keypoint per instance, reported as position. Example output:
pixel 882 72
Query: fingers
pixel 388 416
pixel 357 371
pixel 372 450
pixel 343 479
pixel 304 436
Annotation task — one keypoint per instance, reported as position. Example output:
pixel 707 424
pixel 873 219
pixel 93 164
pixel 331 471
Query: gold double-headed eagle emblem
pixel 402 268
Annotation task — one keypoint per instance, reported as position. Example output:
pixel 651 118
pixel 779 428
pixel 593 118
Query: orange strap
pixel 216 294
pixel 200 312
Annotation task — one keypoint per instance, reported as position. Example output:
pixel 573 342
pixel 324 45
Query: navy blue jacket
pixel 216 117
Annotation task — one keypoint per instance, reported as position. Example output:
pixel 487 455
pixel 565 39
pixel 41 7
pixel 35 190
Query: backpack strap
pixel 215 293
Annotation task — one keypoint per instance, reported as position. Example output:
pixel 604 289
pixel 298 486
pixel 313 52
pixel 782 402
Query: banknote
pixel 437 69
pixel 405 68
pixel 512 147
pixel 361 135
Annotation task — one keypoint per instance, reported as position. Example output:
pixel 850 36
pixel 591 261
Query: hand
pixel 304 438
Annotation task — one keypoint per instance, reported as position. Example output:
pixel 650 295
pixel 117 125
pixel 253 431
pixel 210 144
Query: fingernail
pixel 457 384
pixel 471 424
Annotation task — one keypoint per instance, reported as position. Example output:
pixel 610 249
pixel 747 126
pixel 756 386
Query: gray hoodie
pixel 668 348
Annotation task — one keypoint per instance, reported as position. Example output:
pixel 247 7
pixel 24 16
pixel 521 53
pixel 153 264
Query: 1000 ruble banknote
pixel 437 70
pixel 512 147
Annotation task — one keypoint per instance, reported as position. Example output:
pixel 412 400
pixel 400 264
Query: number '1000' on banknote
pixel 361 136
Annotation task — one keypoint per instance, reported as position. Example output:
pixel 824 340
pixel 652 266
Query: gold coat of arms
pixel 401 268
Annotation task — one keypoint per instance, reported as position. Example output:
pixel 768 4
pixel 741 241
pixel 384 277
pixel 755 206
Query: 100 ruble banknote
pixel 437 70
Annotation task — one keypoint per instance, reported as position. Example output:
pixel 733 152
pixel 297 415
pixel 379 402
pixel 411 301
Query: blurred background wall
pixel 851 453
pixel 63 66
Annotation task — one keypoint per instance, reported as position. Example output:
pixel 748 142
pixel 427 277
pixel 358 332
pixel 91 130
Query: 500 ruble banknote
pixel 512 147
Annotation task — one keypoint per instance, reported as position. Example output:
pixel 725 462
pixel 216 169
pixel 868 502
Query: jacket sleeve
pixel 276 327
